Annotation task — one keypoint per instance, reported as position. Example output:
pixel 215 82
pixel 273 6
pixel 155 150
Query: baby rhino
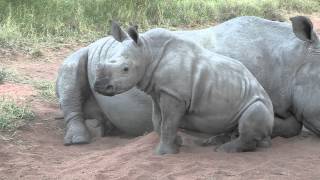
pixel 190 87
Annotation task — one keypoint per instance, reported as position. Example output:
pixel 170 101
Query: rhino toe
pixel 163 149
pixel 77 133
pixel 80 140
pixel 266 143
pixel 214 140
pixel 76 140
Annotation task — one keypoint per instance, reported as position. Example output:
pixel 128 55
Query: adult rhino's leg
pixel 286 127
pixel 217 139
pixel 311 117
pixel 255 125
pixel 313 125
pixel 73 90
pixel 306 99
pixel 220 139
pixel 99 124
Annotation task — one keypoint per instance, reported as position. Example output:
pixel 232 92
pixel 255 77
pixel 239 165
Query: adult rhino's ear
pixel 117 33
pixel 134 25
pixel 133 33
pixel 303 28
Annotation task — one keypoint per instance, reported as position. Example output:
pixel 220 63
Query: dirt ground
pixel 36 150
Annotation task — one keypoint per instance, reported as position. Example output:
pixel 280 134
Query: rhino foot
pixel 179 140
pixel 236 146
pixel 229 148
pixel 111 130
pixel 77 133
pixel 214 140
pixel 166 149
pixel 266 143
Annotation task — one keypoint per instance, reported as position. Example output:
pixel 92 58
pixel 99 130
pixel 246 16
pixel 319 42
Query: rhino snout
pixel 104 87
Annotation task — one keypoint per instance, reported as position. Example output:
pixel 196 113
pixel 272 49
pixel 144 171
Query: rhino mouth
pixel 106 90
pixel 106 93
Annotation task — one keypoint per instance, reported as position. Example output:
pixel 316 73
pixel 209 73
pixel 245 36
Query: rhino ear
pixel 117 33
pixel 134 26
pixel 303 29
pixel 133 33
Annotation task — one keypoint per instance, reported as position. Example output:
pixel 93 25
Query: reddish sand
pixel 39 154
pixel 36 150
pixel 16 91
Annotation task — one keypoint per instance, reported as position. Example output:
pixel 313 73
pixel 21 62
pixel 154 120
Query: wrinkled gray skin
pixel 190 86
pixel 283 61
pixel 286 61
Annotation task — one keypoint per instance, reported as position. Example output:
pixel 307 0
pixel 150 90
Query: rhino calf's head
pixel 125 68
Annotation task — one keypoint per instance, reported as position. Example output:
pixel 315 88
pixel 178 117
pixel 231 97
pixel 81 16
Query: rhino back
pixel 216 89
pixel 268 49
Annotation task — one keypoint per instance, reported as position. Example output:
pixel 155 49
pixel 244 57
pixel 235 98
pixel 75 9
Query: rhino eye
pixel 126 69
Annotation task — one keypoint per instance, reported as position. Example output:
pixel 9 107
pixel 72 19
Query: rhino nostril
pixel 109 87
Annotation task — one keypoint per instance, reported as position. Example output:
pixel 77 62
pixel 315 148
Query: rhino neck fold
pixel 154 54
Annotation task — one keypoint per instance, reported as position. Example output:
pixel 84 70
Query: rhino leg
pixel 100 125
pixel 171 111
pixel 216 140
pixel 287 127
pixel 157 119
pixel 313 125
pixel 73 91
pixel 76 99
pixel 226 137
pixel 255 125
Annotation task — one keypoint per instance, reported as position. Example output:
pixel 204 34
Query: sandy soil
pixel 36 151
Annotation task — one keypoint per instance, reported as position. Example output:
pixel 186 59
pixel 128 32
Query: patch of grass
pixel 3 75
pixel 31 21
pixel 36 53
pixel 302 6
pixel 263 8
pixel 13 115
pixel 7 75
pixel 46 89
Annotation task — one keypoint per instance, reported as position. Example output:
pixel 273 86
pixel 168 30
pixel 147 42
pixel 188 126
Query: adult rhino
pixel 284 59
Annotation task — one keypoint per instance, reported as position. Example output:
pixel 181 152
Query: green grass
pixel 13 115
pixel 3 75
pixel 7 75
pixel 37 21
pixel 46 89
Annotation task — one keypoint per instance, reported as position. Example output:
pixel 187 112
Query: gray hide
pixel 129 112
pixel 189 85
pixel 270 50
pixel 285 60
